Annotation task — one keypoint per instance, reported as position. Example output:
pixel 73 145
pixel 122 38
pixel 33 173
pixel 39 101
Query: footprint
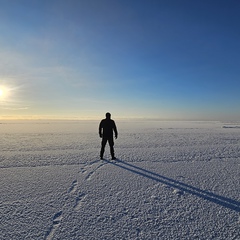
pixel 79 201
pixel 73 187
pixel 178 192
pixel 57 218
pixel 92 163
pixel 82 170
pixel 89 176
pixel 55 225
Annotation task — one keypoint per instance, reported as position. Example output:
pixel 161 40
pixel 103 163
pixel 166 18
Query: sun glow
pixel 3 92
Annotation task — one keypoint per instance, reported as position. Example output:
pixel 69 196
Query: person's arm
pixel 100 129
pixel 115 130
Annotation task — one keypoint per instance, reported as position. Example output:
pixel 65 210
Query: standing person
pixel 106 128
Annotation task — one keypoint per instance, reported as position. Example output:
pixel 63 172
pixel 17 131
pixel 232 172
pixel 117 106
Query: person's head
pixel 108 115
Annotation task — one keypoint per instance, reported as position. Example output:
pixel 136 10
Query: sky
pixel 155 59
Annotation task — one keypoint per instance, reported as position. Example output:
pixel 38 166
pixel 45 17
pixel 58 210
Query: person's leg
pixel 104 141
pixel 111 144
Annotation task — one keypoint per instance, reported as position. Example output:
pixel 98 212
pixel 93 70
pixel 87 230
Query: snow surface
pixel 172 180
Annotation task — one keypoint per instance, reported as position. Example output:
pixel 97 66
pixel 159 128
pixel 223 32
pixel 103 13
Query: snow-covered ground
pixel 172 180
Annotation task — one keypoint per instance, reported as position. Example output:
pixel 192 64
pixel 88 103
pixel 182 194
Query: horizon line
pixel 115 118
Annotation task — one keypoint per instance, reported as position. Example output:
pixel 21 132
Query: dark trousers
pixel 111 144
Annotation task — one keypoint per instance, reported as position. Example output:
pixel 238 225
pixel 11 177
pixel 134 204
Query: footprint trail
pixel 55 225
pixel 75 197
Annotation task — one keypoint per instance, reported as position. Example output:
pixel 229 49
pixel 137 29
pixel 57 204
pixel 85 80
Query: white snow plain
pixel 172 180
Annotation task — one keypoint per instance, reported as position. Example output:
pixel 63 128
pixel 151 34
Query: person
pixel 106 128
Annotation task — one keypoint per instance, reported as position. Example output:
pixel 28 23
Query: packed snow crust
pixel 171 180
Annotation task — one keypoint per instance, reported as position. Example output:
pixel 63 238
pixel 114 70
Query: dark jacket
pixel 106 128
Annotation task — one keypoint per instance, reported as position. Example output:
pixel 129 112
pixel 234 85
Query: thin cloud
pixel 15 109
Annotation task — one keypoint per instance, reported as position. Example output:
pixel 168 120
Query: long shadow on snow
pixel 220 200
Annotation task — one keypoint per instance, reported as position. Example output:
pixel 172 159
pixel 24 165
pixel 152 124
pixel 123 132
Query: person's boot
pixel 101 155
pixel 112 153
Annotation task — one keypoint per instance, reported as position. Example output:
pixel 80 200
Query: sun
pixel 1 92
pixel 4 93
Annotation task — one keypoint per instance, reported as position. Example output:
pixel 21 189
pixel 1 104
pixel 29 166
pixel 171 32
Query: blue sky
pixel 77 59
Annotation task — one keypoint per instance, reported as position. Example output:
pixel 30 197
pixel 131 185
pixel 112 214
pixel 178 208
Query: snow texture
pixel 171 180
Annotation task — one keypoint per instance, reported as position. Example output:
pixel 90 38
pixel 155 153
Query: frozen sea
pixel 171 180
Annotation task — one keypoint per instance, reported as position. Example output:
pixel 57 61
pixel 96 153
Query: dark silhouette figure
pixel 106 128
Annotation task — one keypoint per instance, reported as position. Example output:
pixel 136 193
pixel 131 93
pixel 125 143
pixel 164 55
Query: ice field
pixel 172 180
